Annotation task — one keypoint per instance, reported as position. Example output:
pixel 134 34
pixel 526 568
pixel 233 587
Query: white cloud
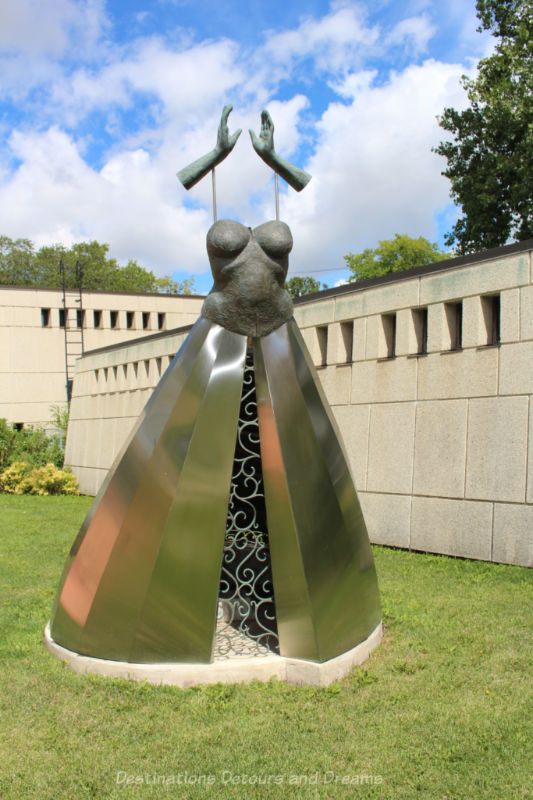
pixel 414 33
pixel 373 170
pixel 334 42
pixel 64 200
pixel 25 28
pixel 182 83
pixel 35 36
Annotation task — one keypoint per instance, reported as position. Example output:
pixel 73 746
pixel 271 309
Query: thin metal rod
pixel 214 194
pixel 277 194
pixel 65 320
pixel 79 276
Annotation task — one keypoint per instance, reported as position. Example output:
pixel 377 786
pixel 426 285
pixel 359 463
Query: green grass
pixel 441 710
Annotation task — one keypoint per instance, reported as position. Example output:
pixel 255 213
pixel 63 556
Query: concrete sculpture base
pixel 234 670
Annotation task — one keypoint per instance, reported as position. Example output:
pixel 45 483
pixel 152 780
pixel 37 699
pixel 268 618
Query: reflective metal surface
pixel 142 579
pixel 325 584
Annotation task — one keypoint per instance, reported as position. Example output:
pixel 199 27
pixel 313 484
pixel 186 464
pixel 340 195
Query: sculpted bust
pixel 249 269
pixel 249 266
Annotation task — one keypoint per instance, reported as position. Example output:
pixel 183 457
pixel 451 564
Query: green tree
pixel 98 270
pixel 16 260
pixel 122 278
pixel 166 285
pixel 298 286
pixel 393 255
pixel 21 265
pixel 490 157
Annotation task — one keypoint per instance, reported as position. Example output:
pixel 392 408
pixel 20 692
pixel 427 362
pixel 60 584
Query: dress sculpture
pixel 143 580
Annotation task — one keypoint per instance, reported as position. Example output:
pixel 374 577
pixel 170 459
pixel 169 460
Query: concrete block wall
pixel 32 354
pixel 439 433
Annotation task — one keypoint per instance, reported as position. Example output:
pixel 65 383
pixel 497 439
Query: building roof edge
pixel 415 272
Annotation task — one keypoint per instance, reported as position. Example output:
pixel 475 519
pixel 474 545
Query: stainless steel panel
pixel 324 578
pixel 294 614
pixel 81 577
pixel 178 619
pixel 108 580
pixel 142 579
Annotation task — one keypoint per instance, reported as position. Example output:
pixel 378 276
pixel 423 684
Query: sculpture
pixel 263 146
pixel 142 583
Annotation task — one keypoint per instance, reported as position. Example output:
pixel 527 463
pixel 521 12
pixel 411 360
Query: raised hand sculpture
pixel 189 176
pixel 264 147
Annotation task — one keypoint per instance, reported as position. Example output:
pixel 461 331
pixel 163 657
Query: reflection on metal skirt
pixel 246 622
pixel 142 580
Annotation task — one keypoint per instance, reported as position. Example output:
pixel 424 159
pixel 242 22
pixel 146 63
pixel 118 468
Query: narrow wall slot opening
pixel 347 341
pixel 322 339
pixel 454 320
pixel 420 322
pixel 388 322
pixel 491 306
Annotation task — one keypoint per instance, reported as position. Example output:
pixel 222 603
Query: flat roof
pixel 414 272
pixel 99 291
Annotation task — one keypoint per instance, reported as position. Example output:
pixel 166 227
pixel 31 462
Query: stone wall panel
pixel 496 449
pixel 440 448
pixel 390 452
pixel 452 527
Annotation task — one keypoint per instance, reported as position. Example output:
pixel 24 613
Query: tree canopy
pixel 490 157
pixel 298 286
pixel 393 255
pixel 22 265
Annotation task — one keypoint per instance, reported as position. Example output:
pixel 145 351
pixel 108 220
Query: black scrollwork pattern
pixel 246 624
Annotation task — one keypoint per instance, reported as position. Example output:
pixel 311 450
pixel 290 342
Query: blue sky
pixel 102 102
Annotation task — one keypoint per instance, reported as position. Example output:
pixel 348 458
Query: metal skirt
pixel 142 578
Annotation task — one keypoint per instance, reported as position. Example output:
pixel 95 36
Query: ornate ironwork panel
pixel 246 623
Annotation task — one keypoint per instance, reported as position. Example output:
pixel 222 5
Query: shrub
pixel 19 478
pixel 12 477
pixel 7 442
pixel 59 416
pixel 31 445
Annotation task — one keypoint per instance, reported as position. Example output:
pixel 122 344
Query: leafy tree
pixel 490 159
pixel 166 285
pixel 298 286
pixel 98 270
pixel 120 279
pixel 21 265
pixel 16 259
pixel 393 255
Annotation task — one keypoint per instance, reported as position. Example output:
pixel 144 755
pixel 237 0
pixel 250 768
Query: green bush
pixel 33 446
pixel 7 443
pixel 12 477
pixel 19 478
pixel 30 445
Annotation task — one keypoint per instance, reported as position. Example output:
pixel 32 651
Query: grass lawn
pixel 441 710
